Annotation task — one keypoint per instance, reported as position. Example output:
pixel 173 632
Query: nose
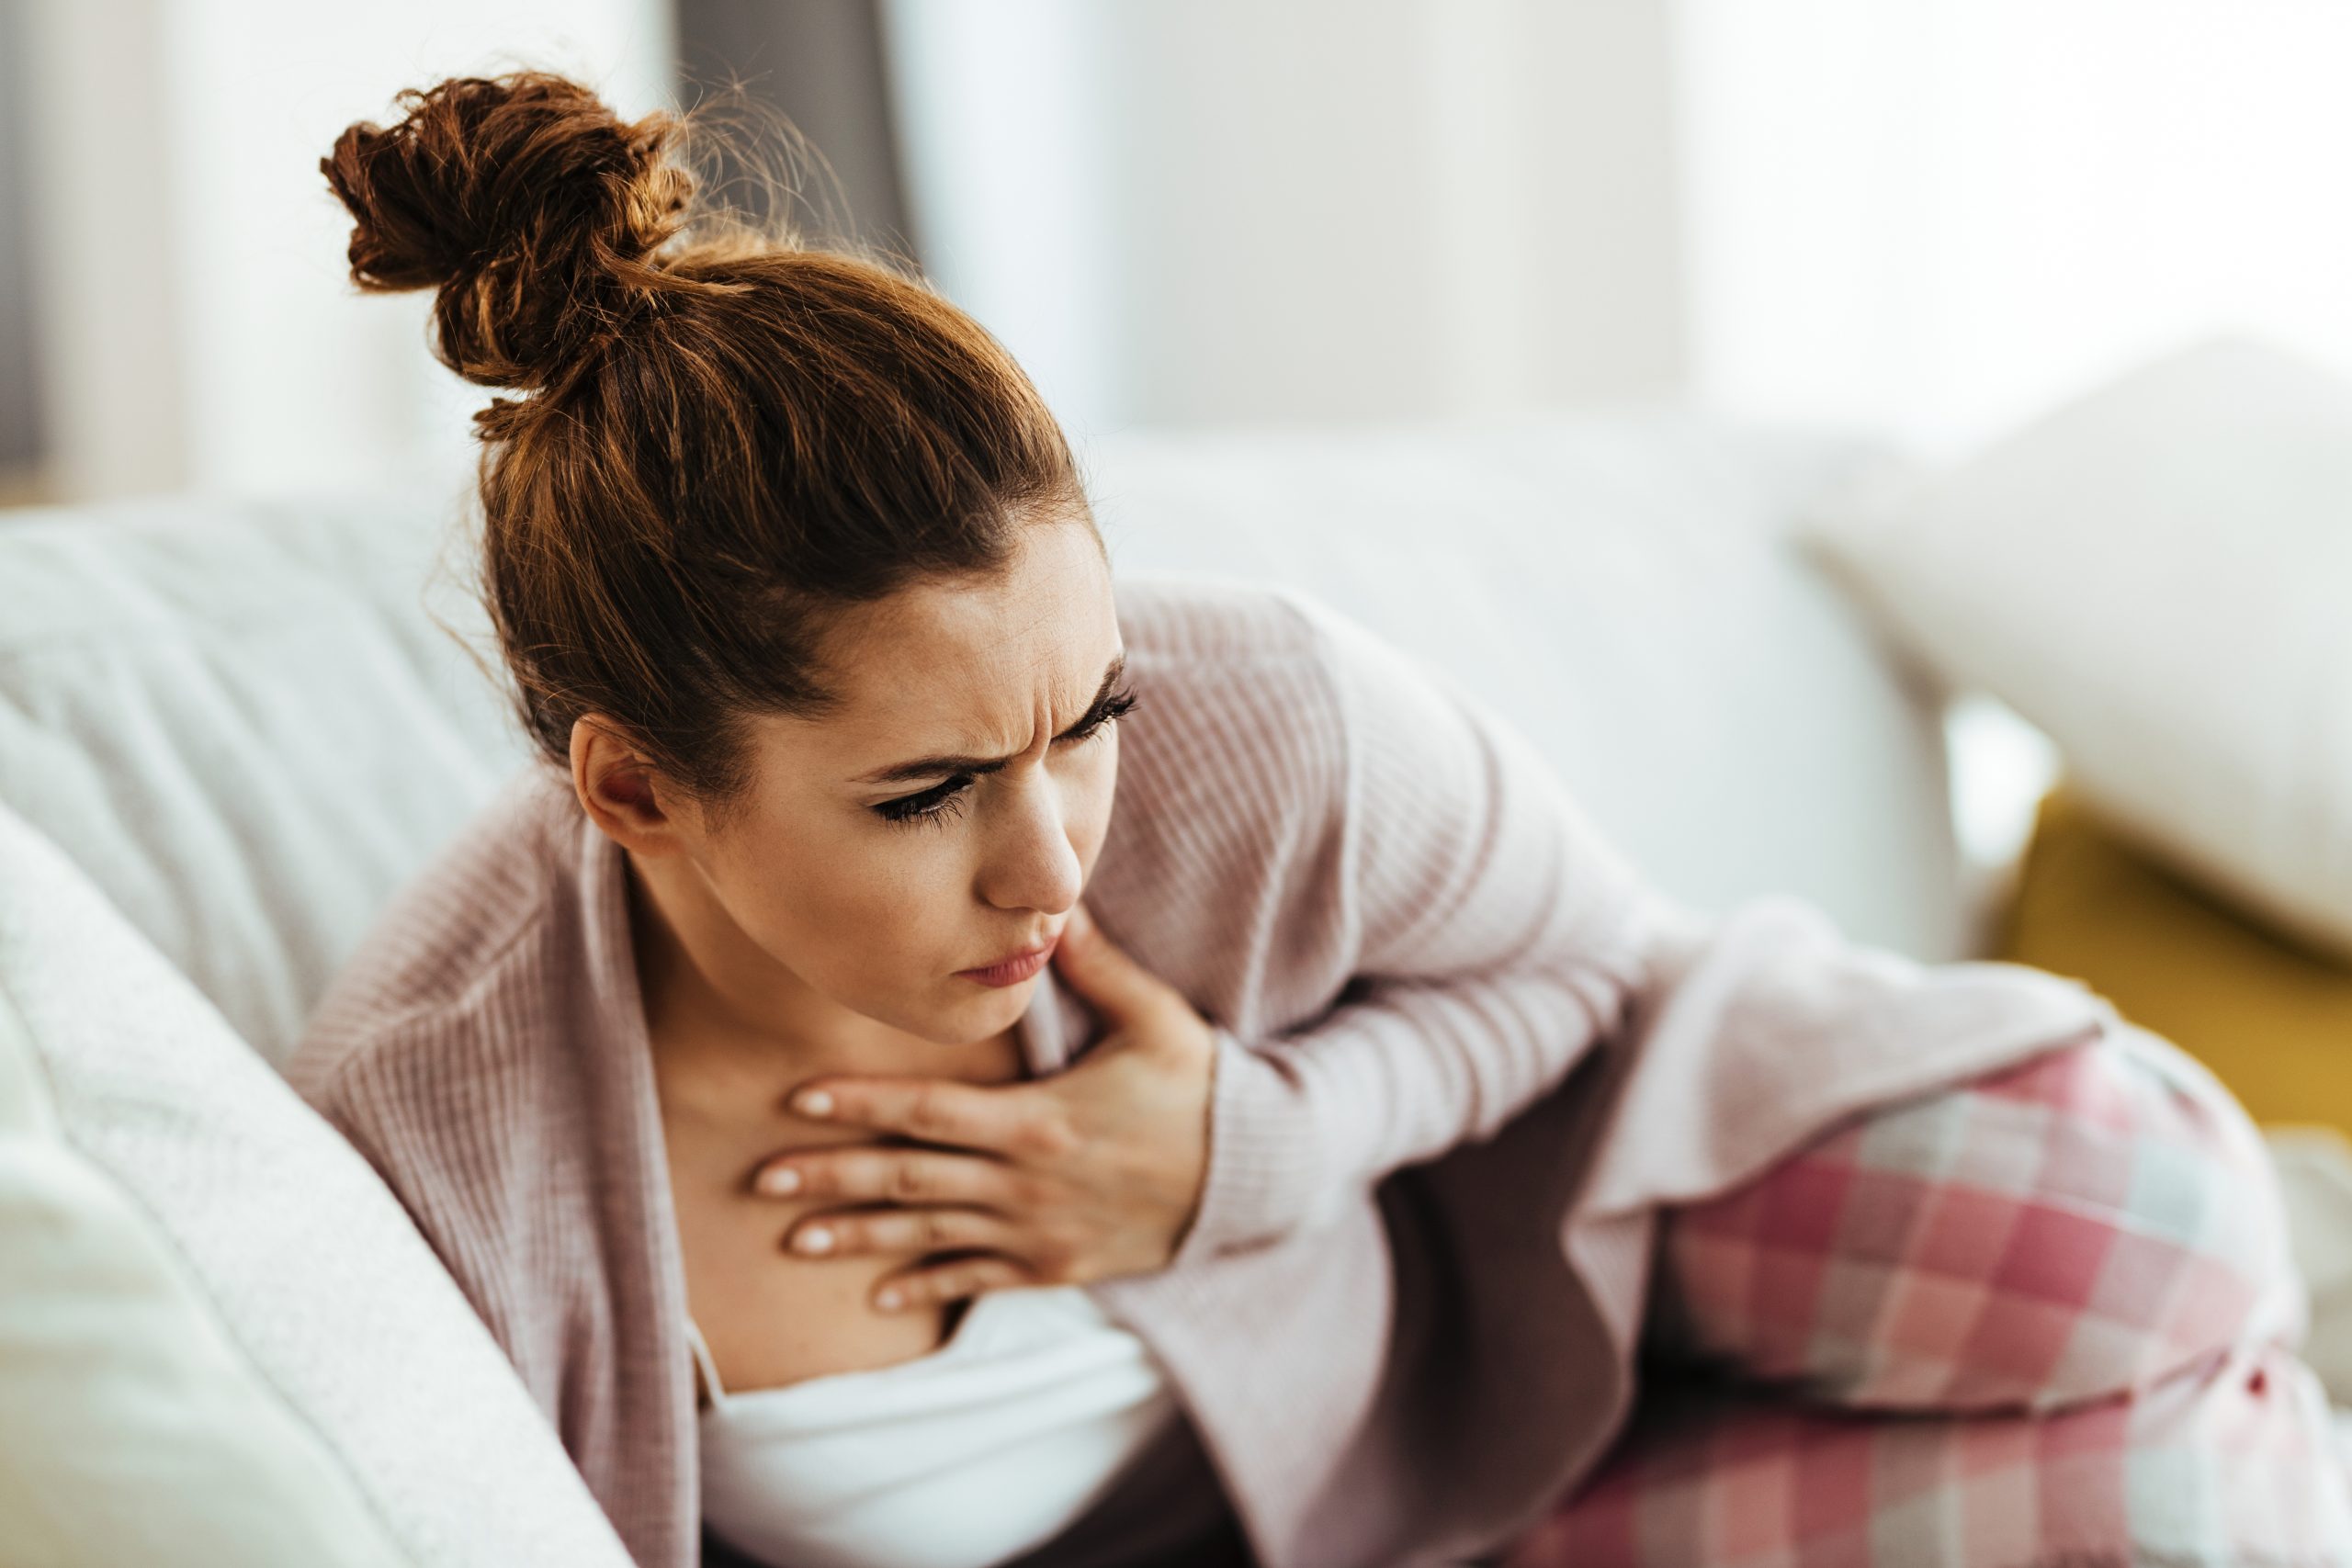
pixel 1029 862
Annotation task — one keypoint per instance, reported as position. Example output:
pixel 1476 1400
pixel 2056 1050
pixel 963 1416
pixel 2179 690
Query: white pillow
pixel 238 718
pixel 2159 575
pixel 363 1368
pixel 132 1429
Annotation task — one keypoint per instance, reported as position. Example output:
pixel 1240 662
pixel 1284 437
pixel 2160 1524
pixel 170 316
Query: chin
pixel 970 1019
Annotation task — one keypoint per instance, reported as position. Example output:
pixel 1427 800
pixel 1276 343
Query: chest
pixel 771 1316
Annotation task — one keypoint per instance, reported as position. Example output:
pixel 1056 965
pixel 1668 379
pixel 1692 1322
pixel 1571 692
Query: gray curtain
pixel 821 63
pixel 20 433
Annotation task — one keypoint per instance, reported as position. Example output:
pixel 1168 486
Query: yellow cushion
pixel 2272 1016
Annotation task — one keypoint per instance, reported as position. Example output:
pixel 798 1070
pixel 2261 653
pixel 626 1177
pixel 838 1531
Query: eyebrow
pixel 925 767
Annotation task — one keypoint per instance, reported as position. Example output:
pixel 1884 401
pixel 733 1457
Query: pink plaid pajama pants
pixel 2045 1319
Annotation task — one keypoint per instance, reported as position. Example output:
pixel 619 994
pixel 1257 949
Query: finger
pixel 1102 972
pixel 900 1174
pixel 936 1282
pixel 936 1110
pixel 918 1231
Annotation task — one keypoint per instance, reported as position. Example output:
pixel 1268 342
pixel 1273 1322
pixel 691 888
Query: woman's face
pixel 946 817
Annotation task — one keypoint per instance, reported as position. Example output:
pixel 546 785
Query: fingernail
pixel 816 1103
pixel 887 1300
pixel 816 1239
pixel 778 1182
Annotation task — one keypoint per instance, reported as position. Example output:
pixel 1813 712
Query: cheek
pixel 864 916
pixel 843 908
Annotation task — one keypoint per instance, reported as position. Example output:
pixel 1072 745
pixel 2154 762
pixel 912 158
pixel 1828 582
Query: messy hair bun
pixel 532 208
pixel 724 436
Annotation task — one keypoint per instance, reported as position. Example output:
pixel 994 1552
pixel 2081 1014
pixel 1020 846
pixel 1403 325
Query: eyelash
pixel 943 802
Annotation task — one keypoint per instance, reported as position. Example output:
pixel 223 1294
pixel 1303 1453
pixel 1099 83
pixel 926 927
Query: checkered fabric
pixel 2227 1463
pixel 2040 1320
pixel 2085 1223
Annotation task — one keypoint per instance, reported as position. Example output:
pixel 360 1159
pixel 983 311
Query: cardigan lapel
pixel 644 1467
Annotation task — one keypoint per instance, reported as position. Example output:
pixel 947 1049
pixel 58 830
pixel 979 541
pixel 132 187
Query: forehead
pixel 971 659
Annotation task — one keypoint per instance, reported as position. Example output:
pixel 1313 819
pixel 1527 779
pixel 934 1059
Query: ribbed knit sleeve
pixel 389 1109
pixel 1497 934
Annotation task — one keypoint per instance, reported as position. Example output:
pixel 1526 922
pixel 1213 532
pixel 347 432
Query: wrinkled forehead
pixel 975 663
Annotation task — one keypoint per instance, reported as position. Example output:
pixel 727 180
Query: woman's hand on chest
pixel 1094 1172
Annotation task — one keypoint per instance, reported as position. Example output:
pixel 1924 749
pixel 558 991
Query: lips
pixel 1014 967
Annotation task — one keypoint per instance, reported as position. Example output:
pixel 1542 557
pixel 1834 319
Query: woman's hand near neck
pixel 732 1034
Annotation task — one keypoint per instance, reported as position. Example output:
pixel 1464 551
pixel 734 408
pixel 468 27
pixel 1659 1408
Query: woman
pixel 869 1144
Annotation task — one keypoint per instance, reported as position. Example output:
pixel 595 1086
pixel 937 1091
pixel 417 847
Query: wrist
pixel 1265 1176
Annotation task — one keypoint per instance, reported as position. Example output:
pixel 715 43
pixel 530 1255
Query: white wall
pixel 199 328
pixel 1930 217
pixel 1939 215
pixel 1177 211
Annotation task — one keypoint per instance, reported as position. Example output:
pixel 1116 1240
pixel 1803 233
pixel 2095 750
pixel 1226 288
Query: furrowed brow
pixel 930 767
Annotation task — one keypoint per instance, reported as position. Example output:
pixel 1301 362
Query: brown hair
pixel 727 435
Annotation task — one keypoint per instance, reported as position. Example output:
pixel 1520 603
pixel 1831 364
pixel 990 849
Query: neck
pixel 710 991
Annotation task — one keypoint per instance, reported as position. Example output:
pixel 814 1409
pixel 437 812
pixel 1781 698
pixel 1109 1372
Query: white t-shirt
pixel 965 1457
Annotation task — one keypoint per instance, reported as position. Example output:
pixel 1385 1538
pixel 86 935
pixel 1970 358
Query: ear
pixel 622 791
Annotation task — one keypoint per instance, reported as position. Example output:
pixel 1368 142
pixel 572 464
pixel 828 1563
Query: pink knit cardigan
pixel 1464 1052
